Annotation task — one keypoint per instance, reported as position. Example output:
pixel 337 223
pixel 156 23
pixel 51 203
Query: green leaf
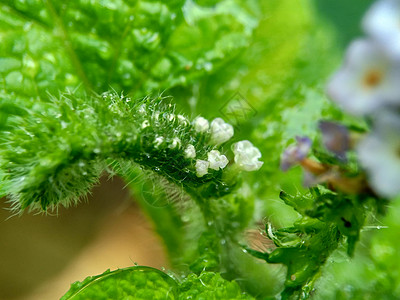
pixel 129 283
pixel 148 283
pixel 138 47
pixel 209 285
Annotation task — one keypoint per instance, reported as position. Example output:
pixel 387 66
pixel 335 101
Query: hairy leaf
pixel 149 283
pixel 56 153
pixel 129 283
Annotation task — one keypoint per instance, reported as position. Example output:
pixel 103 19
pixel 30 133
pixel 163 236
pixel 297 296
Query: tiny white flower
pixel 156 115
pixel 170 117
pixel 176 142
pixel 367 81
pixel 158 141
pixel 190 151
pixel 246 156
pixel 201 167
pixel 201 124
pixel 379 154
pixel 145 124
pixel 142 109
pixel 220 131
pixel 381 22
pixel 182 119
pixel 217 160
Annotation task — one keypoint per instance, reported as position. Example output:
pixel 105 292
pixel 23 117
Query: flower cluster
pixel 215 160
pixel 221 131
pixel 213 134
pixel 246 156
pixel 368 85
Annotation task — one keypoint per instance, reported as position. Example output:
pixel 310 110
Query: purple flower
pixel 368 80
pixel 295 153
pixel 335 138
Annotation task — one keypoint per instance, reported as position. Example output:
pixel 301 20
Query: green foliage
pixel 148 283
pixel 61 160
pixel 328 220
pixel 60 130
pixel 133 46
pixel 209 285
pixel 129 283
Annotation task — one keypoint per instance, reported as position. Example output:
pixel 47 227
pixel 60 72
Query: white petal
pixel 145 124
pixel 367 81
pixel 379 154
pixel 201 124
pixel 246 156
pixel 201 167
pixel 217 160
pixel 190 151
pixel 221 131
pixel 158 141
pixel 182 119
pixel 176 142
pixel 382 23
pixel 170 117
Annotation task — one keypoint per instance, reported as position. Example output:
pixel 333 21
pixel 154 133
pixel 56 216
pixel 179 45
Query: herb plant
pixel 215 105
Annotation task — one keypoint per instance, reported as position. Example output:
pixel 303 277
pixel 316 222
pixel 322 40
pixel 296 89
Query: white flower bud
pixel 142 109
pixel 220 131
pixel 145 124
pixel 190 151
pixel 201 167
pixel 182 119
pixel 201 124
pixel 217 160
pixel 158 141
pixel 246 156
pixel 170 117
pixel 176 142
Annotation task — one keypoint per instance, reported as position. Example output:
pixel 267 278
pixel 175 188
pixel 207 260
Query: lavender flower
pixel 295 153
pixel 335 137
pixel 382 23
pixel 367 81
pixel 379 154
